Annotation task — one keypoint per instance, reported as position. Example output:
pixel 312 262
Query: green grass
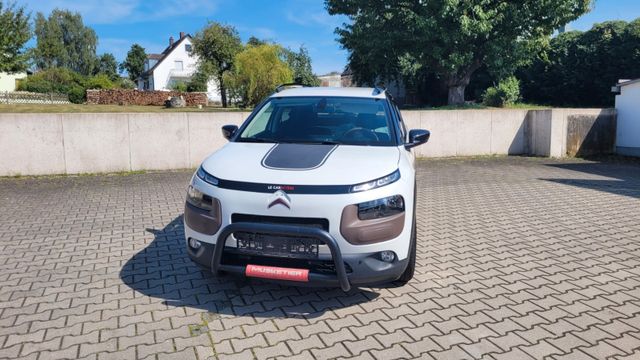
pixel 527 106
pixel 481 107
pixel 81 108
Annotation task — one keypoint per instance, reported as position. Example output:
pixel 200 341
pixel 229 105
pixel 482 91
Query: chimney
pixel 181 34
pixel 171 41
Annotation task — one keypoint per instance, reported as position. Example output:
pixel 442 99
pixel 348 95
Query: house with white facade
pixel 9 81
pixel 177 63
pixel 628 122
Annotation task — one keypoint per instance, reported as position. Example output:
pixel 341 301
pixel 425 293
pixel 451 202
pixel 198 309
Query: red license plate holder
pixel 277 273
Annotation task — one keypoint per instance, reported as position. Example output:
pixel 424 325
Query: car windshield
pixel 321 120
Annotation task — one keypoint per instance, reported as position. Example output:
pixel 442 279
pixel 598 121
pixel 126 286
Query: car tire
pixel 407 275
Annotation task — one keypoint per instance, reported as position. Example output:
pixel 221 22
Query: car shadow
pixel 618 176
pixel 163 270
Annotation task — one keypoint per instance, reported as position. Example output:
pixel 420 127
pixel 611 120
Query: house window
pixel 187 47
pixel 178 65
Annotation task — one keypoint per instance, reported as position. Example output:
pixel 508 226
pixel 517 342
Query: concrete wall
pixel 40 144
pixel 590 132
pixel 37 144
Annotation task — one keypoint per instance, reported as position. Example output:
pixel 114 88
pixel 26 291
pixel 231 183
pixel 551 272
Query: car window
pixel 341 120
pixel 403 128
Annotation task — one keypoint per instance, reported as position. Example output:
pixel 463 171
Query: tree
pixel 134 63
pixel 64 41
pixel 300 64
pixel 108 65
pixel 200 79
pixel 218 45
pixel 257 70
pixel 14 33
pixel 452 38
pixel 254 41
pixel 579 68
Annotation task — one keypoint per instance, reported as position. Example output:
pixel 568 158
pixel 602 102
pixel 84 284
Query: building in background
pixel 628 123
pixel 332 79
pixel 176 64
pixel 9 82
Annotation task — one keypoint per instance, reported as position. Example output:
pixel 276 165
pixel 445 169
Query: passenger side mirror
pixel 229 130
pixel 417 137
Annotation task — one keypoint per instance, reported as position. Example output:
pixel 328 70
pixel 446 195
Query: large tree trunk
pixel 456 94
pixel 223 91
pixel 458 82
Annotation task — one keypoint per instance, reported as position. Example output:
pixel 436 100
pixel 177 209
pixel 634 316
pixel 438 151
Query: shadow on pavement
pixel 163 270
pixel 620 178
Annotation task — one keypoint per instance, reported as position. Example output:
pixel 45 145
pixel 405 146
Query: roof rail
pixel 379 90
pixel 289 85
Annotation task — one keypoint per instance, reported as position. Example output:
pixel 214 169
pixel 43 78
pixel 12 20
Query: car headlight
pixel 206 177
pixel 199 199
pixel 385 180
pixel 381 208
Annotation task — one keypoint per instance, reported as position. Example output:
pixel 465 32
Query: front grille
pixel 265 244
pixel 282 220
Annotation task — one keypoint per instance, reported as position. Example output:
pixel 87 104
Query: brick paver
pixel 517 258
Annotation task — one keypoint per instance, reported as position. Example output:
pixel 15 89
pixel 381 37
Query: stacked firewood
pixel 138 97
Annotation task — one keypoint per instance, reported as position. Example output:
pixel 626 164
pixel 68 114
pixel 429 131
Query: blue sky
pixel 120 23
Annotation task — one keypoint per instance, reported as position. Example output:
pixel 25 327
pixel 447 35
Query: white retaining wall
pixel 39 144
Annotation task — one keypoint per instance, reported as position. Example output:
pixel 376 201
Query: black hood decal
pixel 297 156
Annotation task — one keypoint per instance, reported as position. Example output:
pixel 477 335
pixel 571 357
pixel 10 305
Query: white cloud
pixel 263 33
pixel 125 11
pixel 321 19
pixel 119 47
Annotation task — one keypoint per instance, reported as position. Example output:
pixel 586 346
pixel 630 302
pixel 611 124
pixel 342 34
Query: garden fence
pixel 23 97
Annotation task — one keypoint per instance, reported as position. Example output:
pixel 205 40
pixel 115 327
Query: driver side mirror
pixel 229 130
pixel 417 137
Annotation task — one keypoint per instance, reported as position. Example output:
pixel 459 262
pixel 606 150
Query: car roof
pixel 359 92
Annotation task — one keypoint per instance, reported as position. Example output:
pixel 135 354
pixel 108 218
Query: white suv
pixel 316 187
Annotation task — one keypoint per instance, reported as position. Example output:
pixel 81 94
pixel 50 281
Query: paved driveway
pixel 518 258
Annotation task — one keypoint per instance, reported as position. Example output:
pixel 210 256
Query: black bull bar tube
pixel 281 230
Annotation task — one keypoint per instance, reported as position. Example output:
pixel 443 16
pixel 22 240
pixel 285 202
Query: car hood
pixel 301 164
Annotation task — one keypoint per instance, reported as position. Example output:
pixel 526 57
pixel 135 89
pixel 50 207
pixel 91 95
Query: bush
pixel 179 86
pixel 198 82
pixel 65 81
pixel 506 93
pixel 100 81
pixel 76 94
pixel 51 80
pixel 126 83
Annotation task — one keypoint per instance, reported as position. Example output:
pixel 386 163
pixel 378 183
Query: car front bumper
pixel 348 270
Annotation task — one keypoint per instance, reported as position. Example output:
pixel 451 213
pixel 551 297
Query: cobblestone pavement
pixel 518 258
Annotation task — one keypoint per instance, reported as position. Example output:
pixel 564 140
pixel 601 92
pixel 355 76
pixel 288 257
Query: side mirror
pixel 229 130
pixel 417 137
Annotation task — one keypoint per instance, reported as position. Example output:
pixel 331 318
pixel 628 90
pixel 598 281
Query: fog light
pixel 194 244
pixel 387 256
